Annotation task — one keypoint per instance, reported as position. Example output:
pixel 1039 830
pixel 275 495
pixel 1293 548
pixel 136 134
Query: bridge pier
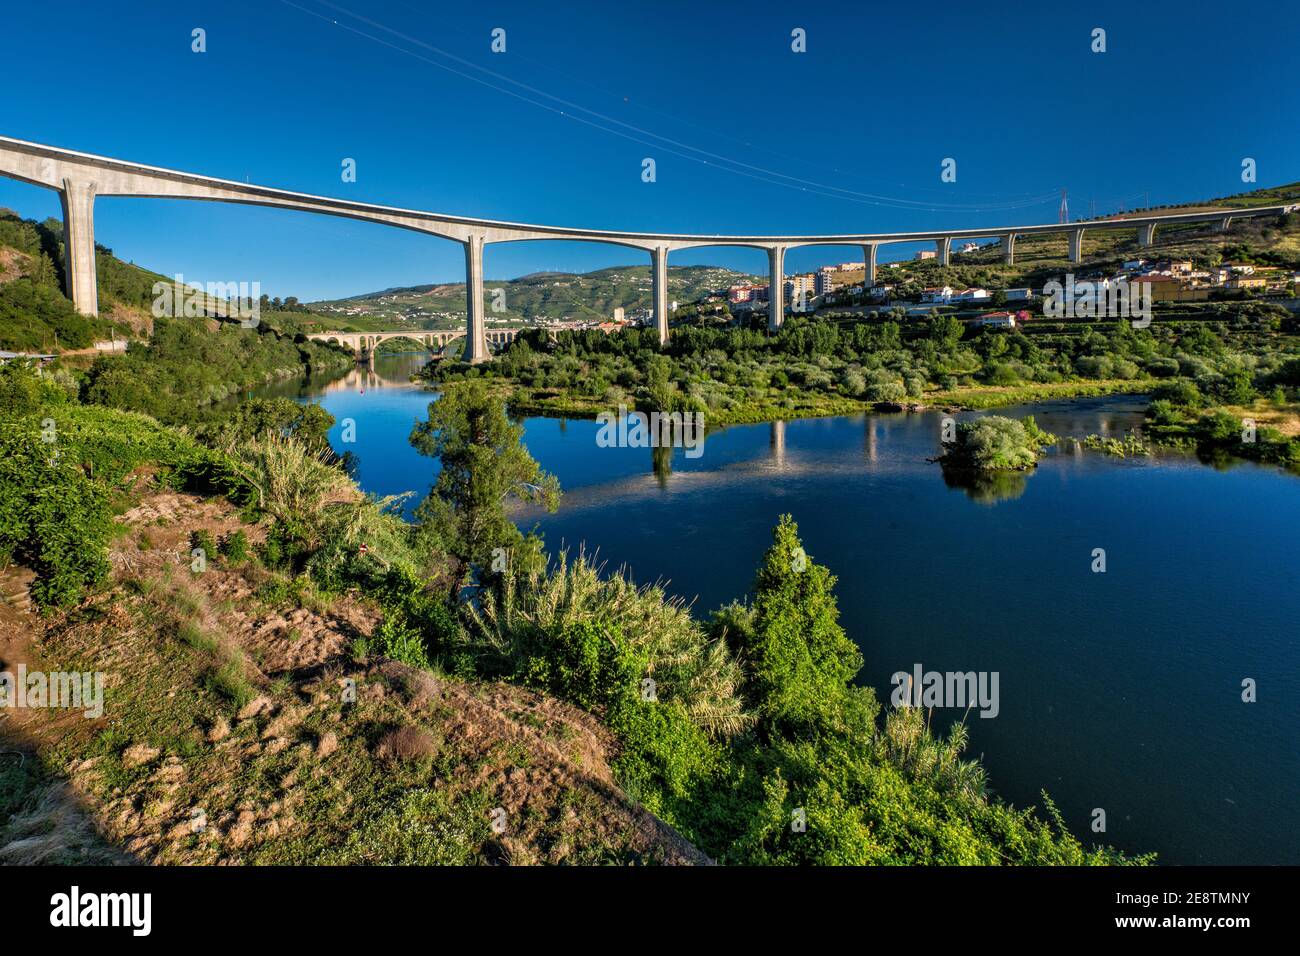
pixel 1147 234
pixel 869 257
pixel 1225 224
pixel 78 199
pixel 775 287
pixel 1009 249
pixel 1076 245
pixel 944 249
pixel 659 270
pixel 475 342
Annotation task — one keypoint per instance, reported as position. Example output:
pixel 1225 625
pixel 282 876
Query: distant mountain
pixel 552 295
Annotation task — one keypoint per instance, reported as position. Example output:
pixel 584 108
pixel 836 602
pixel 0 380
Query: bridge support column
pixel 869 257
pixel 944 249
pixel 78 198
pixel 1225 224
pixel 1076 246
pixel 775 288
pixel 659 264
pixel 1147 234
pixel 475 340
pixel 1009 249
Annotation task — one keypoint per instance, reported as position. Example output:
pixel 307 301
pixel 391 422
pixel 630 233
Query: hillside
pixel 232 739
pixel 1038 259
pixel 560 296
pixel 36 316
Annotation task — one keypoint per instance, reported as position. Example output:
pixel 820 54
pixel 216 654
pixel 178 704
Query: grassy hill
pixel 552 295
pixel 1040 258
pixel 36 316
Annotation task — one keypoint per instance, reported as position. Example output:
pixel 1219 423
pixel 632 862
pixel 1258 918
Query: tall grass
pixel 290 482
pixel 320 515
pixel 685 663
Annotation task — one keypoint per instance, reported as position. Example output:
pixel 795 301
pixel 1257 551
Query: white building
pixel 940 295
pixel 825 281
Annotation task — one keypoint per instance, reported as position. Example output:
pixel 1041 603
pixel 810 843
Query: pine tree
pixel 799 659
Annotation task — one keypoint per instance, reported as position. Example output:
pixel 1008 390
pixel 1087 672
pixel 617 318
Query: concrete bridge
pixel 80 177
pixel 365 342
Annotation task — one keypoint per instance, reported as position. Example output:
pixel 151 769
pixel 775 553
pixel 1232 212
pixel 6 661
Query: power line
pixel 715 160
pixel 711 131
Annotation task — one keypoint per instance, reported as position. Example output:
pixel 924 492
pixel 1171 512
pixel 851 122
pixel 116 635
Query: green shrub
pixel 396 638
pixel 20 389
pixel 886 392
pixel 201 539
pixel 996 443
pixel 233 546
pixel 53 518
pixel 585 664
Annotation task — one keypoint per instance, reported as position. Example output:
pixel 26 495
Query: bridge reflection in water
pixel 386 370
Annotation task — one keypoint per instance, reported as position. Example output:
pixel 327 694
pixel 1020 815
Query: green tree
pixel 798 660
pixel 483 462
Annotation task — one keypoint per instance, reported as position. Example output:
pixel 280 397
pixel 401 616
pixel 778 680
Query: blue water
pixel 1120 691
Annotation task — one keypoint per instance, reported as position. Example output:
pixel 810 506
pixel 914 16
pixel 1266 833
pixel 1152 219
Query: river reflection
pixel 1119 690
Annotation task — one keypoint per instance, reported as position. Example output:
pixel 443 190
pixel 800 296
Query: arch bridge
pixel 80 177
pixel 365 342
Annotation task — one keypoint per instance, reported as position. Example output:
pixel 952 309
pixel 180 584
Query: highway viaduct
pixel 80 177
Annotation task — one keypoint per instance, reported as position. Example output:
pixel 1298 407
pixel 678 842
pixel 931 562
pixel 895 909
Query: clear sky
pixel 747 135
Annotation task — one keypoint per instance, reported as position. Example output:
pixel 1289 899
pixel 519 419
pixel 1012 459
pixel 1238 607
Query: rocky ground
pixel 240 726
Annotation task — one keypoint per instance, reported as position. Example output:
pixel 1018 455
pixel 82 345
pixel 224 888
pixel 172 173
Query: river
pixel 1118 691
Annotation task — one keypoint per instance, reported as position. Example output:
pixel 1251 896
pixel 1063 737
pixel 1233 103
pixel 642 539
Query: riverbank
pixel 252 608
pixel 796 404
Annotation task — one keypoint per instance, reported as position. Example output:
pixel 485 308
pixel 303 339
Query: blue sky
pixel 846 137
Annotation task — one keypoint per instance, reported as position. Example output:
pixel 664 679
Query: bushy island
pixel 996 443
pixel 233 581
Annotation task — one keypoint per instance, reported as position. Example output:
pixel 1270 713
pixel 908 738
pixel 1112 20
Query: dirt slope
pixel 239 728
